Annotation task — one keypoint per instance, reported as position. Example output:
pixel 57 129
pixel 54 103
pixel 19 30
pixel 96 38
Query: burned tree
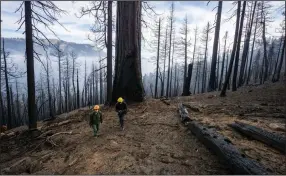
pixel 158 56
pixel 226 82
pixel 59 54
pixel 246 46
pixel 205 39
pixel 212 81
pixel 171 18
pixel 235 69
pixel 185 43
pixel 223 61
pixel 36 12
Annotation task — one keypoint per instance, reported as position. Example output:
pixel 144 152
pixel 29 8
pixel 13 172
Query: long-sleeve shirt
pixel 121 107
pixel 95 117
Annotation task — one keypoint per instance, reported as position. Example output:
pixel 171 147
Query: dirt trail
pixel 154 141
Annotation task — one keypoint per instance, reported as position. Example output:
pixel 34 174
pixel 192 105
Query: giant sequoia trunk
pixel 30 67
pixel 128 77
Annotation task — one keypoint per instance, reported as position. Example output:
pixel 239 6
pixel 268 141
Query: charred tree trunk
pixel 277 59
pixel 265 59
pixel 277 75
pixel 9 124
pixel 109 53
pixel 217 70
pixel 85 85
pixel 19 116
pixel 100 83
pixel 158 55
pixel 226 150
pixel 205 61
pixel 223 92
pixel 212 86
pixel 235 70
pixel 223 60
pixel 170 46
pixel 49 92
pixel 30 67
pixel 252 49
pixel 13 115
pixel 194 52
pixel 246 48
pixel 78 100
pixel 187 91
pixel 128 76
pixel 172 67
pixel 274 140
pixel 164 69
pixel 73 83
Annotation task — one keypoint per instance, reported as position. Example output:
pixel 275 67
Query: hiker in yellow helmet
pixel 95 118
pixel 121 109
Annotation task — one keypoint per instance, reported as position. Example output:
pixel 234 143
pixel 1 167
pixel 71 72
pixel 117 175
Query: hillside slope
pixel 154 141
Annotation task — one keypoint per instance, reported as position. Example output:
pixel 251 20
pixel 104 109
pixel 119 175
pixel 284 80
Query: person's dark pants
pixel 121 120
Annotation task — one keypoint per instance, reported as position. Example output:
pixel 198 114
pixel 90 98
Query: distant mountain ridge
pixel 17 46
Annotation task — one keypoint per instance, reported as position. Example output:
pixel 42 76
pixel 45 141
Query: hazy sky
pixel 197 11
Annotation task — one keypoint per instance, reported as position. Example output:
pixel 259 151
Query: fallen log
pixel 273 140
pixel 184 114
pixel 224 149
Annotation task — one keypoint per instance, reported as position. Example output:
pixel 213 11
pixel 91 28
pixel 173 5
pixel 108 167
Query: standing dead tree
pixel 158 56
pixel 5 55
pixel 59 54
pixel 235 69
pixel 185 43
pixel 246 45
pixel 35 13
pixel 102 33
pixel 205 39
pixel 212 80
pixel 223 61
pixel 171 20
pixel 226 82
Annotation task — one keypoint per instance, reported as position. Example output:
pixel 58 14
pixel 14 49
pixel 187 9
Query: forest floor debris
pixel 154 142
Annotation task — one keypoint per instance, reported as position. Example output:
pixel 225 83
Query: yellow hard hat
pixel 96 107
pixel 120 100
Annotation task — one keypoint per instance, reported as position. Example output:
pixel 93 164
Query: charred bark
pixel 235 70
pixel 186 91
pixel 223 92
pixel 128 76
pixel 158 55
pixel 212 85
pixel 224 149
pixel 109 53
pixel 273 140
